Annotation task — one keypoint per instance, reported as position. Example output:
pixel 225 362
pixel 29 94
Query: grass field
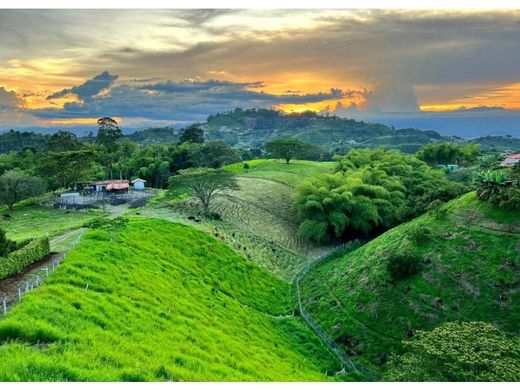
pixel 277 170
pixel 158 301
pixel 29 222
pixel 469 272
pixel 258 220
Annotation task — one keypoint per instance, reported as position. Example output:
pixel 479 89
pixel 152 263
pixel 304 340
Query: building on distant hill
pixel 510 160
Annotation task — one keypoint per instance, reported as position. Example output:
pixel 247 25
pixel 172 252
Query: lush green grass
pixel 158 301
pixel 31 222
pixel 277 170
pixel 469 272
pixel 258 220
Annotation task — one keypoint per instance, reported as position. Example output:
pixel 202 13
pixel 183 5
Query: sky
pixel 453 71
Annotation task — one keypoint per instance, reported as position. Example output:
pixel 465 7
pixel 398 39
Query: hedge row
pixel 16 261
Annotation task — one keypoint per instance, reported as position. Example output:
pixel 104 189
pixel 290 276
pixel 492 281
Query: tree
pixel 108 133
pixel 16 185
pixel 287 148
pixel 192 134
pixel 67 168
pixel 204 183
pixel 62 141
pixel 214 154
pixel 458 352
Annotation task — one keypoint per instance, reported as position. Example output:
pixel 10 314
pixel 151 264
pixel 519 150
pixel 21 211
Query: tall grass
pixel 158 301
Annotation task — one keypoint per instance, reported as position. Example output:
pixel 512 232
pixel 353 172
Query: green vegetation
pixel 287 148
pixel 448 153
pixel 29 222
pixel 371 190
pixel 15 185
pixel 499 187
pixel 460 262
pixel 152 300
pixel 289 174
pixel 205 183
pixel 14 262
pixel 448 353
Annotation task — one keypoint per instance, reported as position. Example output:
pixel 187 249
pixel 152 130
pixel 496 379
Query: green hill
pixel 253 127
pixel 152 300
pixel 461 262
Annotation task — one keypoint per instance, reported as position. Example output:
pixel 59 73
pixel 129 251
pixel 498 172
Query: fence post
pixel 26 286
pixel 19 293
pixel 4 304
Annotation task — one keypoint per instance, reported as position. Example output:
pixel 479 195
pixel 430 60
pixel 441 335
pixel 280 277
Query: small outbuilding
pixel 511 160
pixel 138 184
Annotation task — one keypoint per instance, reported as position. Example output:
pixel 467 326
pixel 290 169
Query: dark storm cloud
pixel 89 88
pixel 169 100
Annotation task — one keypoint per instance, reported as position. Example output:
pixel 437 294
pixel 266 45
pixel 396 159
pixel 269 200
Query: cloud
pixel 8 99
pixel 89 88
pixel 188 100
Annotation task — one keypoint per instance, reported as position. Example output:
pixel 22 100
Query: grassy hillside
pixel 153 300
pixel 258 220
pixel 468 255
pixel 29 222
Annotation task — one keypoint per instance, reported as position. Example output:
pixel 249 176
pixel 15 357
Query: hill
pixel 258 220
pixel 252 127
pixel 461 262
pixel 152 300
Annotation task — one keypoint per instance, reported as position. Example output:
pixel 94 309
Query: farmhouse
pixel 510 160
pixel 114 186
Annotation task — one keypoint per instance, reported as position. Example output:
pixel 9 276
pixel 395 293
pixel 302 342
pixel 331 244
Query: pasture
pixel 465 269
pixel 157 301
pixel 29 222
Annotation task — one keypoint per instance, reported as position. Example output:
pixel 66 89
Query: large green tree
pixel 203 183
pixel 108 133
pixel 458 352
pixel 16 185
pixel 67 168
pixel 287 148
pixel 62 141
pixel 192 134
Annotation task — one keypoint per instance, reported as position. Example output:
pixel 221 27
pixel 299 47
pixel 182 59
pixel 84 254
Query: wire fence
pixel 35 279
pixel 347 364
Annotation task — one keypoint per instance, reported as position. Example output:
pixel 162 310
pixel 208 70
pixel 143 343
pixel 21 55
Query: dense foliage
pixel 370 191
pixel 19 259
pixel 458 352
pixel 448 153
pixel 16 185
pixel 499 187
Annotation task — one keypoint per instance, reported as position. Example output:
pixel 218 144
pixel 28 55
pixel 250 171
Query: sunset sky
pixel 61 68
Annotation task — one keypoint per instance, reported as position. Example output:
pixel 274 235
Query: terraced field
pixel 157 301
pixel 468 258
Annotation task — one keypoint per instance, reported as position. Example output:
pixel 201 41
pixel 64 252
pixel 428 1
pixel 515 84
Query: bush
pixel 420 235
pixel 16 261
pixel 103 223
pixel 402 266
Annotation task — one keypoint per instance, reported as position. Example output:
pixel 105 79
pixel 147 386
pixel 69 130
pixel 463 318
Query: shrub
pixel 420 235
pixel 468 352
pixel 103 223
pixel 402 266
pixel 16 261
